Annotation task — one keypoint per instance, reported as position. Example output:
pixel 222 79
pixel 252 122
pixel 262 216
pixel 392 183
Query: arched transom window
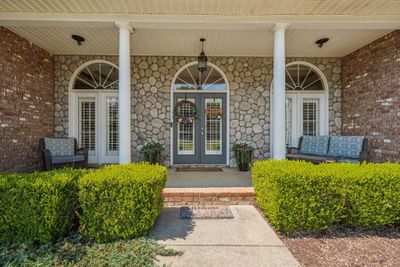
pixel 191 79
pixel 301 77
pixel 97 76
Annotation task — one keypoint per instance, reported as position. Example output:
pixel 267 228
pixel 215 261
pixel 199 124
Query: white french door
pixel 95 125
pixel 305 115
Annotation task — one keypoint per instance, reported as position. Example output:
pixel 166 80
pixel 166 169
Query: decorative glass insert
pixel 97 76
pixel 112 126
pixel 192 79
pixel 213 127
pixel 87 123
pixel 311 116
pixel 289 121
pixel 186 131
pixel 301 77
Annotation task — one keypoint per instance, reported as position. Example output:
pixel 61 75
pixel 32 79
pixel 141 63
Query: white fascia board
pixel 199 21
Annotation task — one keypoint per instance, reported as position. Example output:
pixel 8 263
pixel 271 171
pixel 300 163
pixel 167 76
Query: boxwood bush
pixel 121 201
pixel 38 207
pixel 298 196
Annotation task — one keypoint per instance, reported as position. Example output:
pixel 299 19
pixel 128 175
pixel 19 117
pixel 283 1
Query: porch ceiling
pixel 173 27
pixel 184 42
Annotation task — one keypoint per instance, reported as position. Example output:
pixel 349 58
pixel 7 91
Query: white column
pixel 278 106
pixel 124 102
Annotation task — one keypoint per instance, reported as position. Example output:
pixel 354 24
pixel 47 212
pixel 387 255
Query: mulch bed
pixel 347 248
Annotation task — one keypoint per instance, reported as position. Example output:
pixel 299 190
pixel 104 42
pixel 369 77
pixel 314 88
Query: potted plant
pixel 152 152
pixel 244 154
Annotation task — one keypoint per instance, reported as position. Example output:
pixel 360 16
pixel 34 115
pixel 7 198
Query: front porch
pixel 228 177
pixel 132 80
pixel 226 187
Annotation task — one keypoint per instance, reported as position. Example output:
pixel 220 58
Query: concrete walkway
pixel 229 177
pixel 246 240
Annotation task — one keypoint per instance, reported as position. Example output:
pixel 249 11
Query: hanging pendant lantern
pixel 202 58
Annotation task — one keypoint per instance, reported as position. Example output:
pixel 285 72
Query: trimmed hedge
pixel 298 196
pixel 121 201
pixel 39 207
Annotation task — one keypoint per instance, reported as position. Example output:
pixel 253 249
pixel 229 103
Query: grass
pixel 77 251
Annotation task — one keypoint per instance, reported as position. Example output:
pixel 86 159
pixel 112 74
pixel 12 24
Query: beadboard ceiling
pixel 207 7
pixel 173 42
pixel 173 27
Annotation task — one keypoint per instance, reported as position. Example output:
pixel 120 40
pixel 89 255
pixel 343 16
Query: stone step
pixel 209 196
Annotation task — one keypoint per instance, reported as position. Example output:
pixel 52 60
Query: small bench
pixel 318 149
pixel 60 152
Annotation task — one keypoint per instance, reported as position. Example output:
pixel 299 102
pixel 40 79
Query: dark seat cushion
pixel 67 159
pixel 315 145
pixel 311 158
pixel 346 146
pixel 60 146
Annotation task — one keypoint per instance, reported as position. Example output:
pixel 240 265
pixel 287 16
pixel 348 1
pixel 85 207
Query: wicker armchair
pixel 60 152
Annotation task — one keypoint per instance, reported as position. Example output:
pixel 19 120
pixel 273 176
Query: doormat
pixel 206 212
pixel 205 169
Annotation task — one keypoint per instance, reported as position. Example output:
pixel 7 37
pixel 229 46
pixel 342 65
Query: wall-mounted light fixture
pixel 79 39
pixel 321 42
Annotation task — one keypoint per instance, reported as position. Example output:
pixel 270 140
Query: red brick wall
pixel 371 96
pixel 26 102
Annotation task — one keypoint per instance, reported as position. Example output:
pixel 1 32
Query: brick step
pixel 209 196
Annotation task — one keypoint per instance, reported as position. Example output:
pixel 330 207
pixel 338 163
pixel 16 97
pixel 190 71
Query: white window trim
pixel 73 96
pixel 324 108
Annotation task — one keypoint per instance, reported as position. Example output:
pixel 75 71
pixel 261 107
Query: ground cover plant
pixel 78 251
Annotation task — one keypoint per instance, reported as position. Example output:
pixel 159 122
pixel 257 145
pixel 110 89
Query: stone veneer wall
pixel 371 96
pixel 26 102
pixel 249 81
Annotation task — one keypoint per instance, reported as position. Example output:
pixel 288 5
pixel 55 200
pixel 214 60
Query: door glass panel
pixel 87 123
pixel 289 121
pixel 213 126
pixel 311 116
pixel 112 140
pixel 186 130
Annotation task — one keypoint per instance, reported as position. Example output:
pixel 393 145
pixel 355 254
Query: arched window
pixel 97 76
pixel 94 111
pixel 307 102
pixel 301 77
pixel 190 78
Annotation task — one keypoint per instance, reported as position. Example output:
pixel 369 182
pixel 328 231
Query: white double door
pixel 306 114
pixel 95 125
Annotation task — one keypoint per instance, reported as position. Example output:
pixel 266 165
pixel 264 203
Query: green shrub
pixel 39 207
pixel 299 196
pixel 121 201
pixel 373 195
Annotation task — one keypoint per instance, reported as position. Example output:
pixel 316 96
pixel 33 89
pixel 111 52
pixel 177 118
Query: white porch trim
pixel 278 115
pixel 157 21
pixel 124 101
